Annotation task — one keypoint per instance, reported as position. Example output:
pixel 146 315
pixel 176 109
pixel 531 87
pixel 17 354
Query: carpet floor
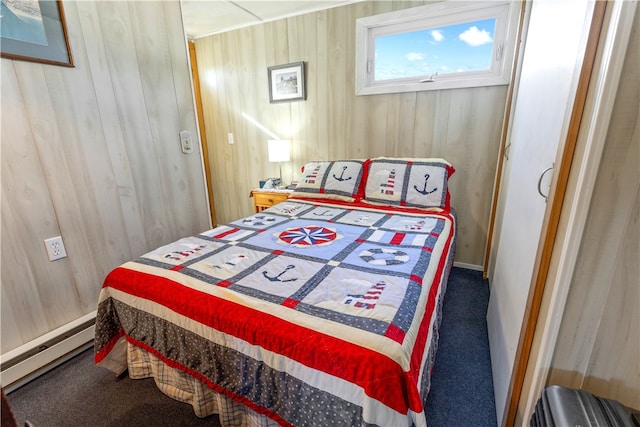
pixel 77 393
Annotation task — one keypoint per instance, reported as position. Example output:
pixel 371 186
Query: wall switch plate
pixel 55 248
pixel 185 142
pixel 230 138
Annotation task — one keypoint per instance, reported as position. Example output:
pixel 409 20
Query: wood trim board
pixel 203 136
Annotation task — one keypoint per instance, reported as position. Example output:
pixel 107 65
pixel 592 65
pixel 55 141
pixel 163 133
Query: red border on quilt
pixel 380 377
pixel 376 384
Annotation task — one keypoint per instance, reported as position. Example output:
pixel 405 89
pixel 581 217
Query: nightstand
pixel 263 199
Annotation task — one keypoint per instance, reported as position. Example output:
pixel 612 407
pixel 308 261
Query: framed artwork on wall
pixel 286 82
pixel 34 31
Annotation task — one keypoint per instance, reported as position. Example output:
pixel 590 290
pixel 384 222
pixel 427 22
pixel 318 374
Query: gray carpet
pixel 78 393
pixel 461 383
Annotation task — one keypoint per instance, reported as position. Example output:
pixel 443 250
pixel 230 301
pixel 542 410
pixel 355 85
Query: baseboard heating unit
pixel 30 360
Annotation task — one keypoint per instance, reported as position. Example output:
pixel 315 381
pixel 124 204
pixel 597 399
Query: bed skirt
pixel 183 387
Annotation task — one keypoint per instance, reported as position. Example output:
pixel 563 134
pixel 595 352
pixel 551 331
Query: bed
pixel 321 310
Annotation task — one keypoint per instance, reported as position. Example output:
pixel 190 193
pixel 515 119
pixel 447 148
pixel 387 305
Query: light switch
pixel 185 142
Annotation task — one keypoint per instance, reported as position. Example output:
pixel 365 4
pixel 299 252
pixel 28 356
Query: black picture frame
pixel 36 34
pixel 287 82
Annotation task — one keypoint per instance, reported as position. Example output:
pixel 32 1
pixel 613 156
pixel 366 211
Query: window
pixel 445 45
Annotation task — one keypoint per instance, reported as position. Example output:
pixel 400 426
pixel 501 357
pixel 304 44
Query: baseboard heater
pixel 44 353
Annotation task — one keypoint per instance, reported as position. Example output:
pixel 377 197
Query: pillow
pixel 339 180
pixel 421 183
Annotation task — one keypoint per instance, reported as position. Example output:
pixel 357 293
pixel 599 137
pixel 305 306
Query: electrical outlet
pixel 55 248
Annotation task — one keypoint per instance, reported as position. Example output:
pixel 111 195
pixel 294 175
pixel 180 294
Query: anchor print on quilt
pixel 347 262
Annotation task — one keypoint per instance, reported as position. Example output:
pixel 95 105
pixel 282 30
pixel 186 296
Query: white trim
pixel 619 21
pixel 48 358
pixel 435 15
pixel 473 267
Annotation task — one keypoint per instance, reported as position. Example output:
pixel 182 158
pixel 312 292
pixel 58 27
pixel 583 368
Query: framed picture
pixel 286 82
pixel 34 31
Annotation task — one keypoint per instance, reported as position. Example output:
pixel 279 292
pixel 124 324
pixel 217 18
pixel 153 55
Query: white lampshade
pixel 278 150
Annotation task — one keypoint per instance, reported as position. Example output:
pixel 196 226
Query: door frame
pixel 604 58
pixel 193 60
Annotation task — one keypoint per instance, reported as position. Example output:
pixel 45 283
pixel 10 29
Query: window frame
pixel 436 15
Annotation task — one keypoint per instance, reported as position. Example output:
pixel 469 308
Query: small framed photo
pixel 35 31
pixel 286 82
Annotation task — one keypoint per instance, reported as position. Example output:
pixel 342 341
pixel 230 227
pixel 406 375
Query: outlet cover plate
pixel 55 248
pixel 185 142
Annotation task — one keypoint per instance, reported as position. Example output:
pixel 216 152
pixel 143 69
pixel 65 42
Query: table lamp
pixel 278 150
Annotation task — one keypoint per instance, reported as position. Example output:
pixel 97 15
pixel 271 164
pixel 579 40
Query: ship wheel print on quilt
pixel 309 235
pixel 260 219
pixel 384 256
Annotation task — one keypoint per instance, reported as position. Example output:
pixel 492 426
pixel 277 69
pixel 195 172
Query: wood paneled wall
pixel 92 153
pixel 462 126
pixel 598 347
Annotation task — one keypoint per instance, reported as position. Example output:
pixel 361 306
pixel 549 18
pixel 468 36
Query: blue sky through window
pixel 442 50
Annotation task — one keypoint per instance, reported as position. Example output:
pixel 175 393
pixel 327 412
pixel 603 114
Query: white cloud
pixel 437 35
pixel 415 56
pixel 475 37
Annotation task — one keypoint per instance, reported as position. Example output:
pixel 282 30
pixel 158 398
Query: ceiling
pixel 205 17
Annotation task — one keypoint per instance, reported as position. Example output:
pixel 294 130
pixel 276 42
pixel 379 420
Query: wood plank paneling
pixel 26 209
pixel 98 62
pixel 461 125
pixel 92 153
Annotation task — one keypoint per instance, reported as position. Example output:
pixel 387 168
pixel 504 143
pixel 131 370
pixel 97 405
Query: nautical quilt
pixel 311 313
